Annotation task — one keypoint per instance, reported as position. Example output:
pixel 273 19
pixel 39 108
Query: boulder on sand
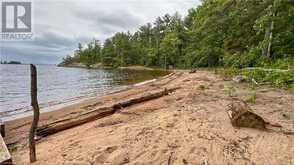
pixel 239 79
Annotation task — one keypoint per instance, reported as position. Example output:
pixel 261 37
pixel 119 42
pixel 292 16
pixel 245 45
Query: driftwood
pixel 5 157
pixel 35 106
pixel 269 70
pixel 169 79
pixel 241 115
pixel 99 113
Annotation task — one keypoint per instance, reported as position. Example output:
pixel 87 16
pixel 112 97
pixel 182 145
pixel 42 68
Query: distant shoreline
pixel 98 66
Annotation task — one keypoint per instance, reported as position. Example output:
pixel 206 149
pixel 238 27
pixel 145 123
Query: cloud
pixel 59 25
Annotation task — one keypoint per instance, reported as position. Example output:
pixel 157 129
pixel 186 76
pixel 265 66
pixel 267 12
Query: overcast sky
pixel 60 24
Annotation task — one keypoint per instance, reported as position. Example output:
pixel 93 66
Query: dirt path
pixel 189 126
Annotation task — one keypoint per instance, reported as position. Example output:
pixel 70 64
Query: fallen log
pixel 241 115
pixel 82 118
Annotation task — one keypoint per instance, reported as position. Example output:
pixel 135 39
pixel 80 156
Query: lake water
pixel 59 86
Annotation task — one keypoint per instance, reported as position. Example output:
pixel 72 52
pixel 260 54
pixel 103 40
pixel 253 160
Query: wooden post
pixel 34 103
pixel 2 129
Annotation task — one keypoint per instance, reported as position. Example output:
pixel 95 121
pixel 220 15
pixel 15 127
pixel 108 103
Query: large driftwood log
pixel 99 113
pixel 241 115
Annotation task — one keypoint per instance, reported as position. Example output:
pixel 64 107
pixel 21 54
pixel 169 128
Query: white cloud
pixel 60 24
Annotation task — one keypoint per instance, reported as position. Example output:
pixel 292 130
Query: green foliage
pixel 218 33
pixel 203 87
pixel 252 98
pixel 237 60
pixel 274 78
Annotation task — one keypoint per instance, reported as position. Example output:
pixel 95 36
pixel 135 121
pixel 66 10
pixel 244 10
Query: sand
pixel 189 126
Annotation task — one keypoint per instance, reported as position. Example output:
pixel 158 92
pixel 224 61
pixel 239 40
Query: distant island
pixel 10 62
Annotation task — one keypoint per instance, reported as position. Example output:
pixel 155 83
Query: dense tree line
pixel 231 33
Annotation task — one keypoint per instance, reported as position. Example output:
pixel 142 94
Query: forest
pixel 217 33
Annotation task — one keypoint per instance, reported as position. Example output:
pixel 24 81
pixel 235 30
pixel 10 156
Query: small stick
pixel 205 162
pixel 169 159
pixel 34 103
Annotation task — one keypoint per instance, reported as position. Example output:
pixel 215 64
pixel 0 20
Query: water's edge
pixel 63 105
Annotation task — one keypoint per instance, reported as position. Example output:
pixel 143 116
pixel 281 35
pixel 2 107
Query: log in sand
pixel 99 113
pixel 241 115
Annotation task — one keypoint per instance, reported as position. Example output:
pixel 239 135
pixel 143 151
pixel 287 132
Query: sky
pixel 59 25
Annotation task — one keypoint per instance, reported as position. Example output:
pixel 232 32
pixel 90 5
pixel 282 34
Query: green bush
pixel 279 63
pixel 208 57
pixel 274 78
pixel 238 60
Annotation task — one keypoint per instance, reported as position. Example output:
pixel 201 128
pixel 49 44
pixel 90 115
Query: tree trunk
pixel 34 103
pixel 267 50
pixel 269 47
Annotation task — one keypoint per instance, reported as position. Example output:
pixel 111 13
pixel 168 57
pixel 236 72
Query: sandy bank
pixel 189 126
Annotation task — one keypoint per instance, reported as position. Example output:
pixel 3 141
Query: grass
pixel 203 87
pixel 228 91
pixel 252 98
pixel 273 78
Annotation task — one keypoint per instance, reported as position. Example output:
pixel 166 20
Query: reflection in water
pixel 59 86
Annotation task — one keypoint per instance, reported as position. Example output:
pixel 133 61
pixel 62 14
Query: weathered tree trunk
pixel 266 36
pixel 267 50
pixel 34 103
pixel 269 47
pixel 99 113
pixel 241 115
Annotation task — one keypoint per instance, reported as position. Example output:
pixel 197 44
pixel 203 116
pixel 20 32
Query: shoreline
pixel 68 109
pixel 97 66
pixel 58 107
pixel 189 124
pixel 14 114
pixel 55 107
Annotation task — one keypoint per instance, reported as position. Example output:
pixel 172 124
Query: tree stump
pixel 241 115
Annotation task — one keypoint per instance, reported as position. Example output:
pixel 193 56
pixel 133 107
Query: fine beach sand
pixel 189 126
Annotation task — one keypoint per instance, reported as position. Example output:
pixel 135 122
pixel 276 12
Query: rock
pixel 241 115
pixel 5 157
pixel 193 71
pixel 239 79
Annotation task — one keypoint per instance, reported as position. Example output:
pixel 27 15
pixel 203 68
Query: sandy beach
pixel 188 126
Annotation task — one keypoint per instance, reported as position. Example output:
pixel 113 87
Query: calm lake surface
pixel 59 86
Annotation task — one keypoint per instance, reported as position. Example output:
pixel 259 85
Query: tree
pixel 231 33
